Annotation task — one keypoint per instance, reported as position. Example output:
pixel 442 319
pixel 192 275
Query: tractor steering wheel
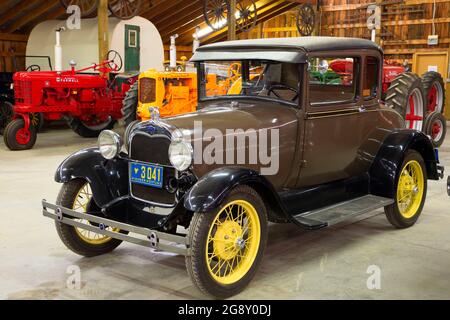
pixel 33 68
pixel 280 86
pixel 115 62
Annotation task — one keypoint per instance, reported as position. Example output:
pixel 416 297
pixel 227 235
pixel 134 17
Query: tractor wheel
pixel 16 138
pixel 130 104
pixel 436 127
pixel 406 96
pixel 88 130
pixel 37 120
pixel 434 87
pixel 6 115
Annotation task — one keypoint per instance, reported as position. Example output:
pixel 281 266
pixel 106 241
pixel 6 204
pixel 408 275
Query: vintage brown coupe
pixel 192 184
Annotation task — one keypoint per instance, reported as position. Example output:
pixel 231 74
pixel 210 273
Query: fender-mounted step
pixel 328 216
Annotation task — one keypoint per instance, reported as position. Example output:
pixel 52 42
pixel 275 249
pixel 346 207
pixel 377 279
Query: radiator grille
pixel 153 149
pixel 22 92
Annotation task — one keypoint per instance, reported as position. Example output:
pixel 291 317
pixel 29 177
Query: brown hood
pixel 243 115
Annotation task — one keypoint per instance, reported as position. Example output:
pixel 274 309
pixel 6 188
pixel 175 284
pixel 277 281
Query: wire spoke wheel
pixel 84 203
pixel 306 20
pixel 215 13
pixel 247 15
pixel 87 7
pixel 410 189
pixel 125 9
pixel 233 242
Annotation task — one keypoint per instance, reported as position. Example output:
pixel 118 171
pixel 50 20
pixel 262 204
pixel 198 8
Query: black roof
pixel 280 49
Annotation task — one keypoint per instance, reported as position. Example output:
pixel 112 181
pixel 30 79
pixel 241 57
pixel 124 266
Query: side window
pixel 332 79
pixel 371 78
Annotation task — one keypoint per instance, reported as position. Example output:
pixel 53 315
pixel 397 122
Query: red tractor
pixel 90 102
pixel 420 100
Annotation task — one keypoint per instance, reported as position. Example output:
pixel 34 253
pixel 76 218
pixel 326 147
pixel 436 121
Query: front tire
pixel 410 192
pixel 16 138
pixel 228 244
pixel 77 195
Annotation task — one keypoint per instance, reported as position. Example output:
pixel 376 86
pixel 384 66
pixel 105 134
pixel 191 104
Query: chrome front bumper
pixel 152 239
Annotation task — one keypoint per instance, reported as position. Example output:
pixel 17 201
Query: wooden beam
pixel 46 6
pixel 11 13
pixel 13 37
pixel 103 30
pixel 391 23
pixel 349 7
pixel 232 21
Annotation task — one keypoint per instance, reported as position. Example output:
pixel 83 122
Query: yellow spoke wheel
pixel 410 189
pixel 81 204
pixel 410 192
pixel 77 195
pixel 227 244
pixel 233 242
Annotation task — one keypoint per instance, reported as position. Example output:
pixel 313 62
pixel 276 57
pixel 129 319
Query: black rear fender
pixel 387 164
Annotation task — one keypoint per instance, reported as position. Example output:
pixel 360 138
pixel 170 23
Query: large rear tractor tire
pixel 130 104
pixel 434 87
pixel 6 115
pixel 436 127
pixel 17 138
pixel 406 96
pixel 90 131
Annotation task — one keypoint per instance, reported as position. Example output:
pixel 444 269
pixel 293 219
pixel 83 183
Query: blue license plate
pixel 147 175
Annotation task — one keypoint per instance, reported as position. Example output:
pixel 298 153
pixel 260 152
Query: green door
pixel 132 48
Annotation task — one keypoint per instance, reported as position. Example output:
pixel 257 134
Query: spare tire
pixel 406 96
pixel 434 87
pixel 130 104
pixel 436 127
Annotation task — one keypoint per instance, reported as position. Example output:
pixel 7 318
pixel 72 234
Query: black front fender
pixel 108 178
pixel 387 164
pixel 212 189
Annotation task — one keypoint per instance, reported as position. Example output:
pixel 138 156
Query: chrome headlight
pixel 181 154
pixel 109 144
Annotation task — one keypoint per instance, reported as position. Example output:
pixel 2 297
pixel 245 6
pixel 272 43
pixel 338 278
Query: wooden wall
pixel 406 24
pixel 11 45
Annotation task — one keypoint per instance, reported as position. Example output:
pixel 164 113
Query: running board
pixel 328 216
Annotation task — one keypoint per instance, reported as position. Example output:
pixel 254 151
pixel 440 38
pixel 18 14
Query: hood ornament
pixel 155 116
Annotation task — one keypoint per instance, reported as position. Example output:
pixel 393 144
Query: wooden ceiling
pixel 180 17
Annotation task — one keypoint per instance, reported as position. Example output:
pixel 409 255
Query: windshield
pixel 262 79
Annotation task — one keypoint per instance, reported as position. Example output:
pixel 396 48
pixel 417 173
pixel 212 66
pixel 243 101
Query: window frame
pixel 131 31
pixel 201 85
pixel 357 72
pixel 379 75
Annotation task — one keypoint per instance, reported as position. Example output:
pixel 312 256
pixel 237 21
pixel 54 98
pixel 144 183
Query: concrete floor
pixel 327 264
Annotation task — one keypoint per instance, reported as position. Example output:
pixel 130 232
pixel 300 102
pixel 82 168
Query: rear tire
pixel 406 96
pixel 86 131
pixel 130 104
pixel 434 88
pixel 436 127
pixel 408 189
pixel 69 235
pixel 6 115
pixel 16 139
